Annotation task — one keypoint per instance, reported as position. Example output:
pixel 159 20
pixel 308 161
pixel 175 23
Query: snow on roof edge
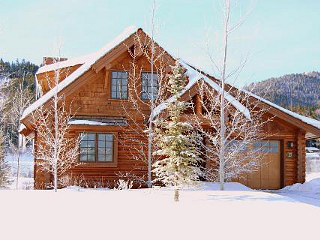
pixel 84 58
pixel 63 64
pixel 310 121
pixel 85 67
pixel 87 122
pixel 194 77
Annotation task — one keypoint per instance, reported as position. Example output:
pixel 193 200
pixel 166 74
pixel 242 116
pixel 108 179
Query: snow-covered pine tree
pixel 176 141
pixel 5 170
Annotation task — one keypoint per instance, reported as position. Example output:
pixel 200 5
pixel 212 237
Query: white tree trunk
pixel 222 100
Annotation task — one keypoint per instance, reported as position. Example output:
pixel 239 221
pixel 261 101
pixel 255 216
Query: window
pixel 96 147
pixel 149 88
pixel 266 146
pixel 119 85
pixel 236 145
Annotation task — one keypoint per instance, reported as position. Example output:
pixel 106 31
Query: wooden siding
pixel 90 96
pixel 46 79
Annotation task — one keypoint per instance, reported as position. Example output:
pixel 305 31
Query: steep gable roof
pixel 87 60
pixel 194 75
pixel 310 125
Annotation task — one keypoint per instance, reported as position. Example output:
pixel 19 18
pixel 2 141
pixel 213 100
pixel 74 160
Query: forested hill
pixel 297 92
pixel 17 69
pixel 17 90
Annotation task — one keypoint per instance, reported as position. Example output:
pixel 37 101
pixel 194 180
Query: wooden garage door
pixel 268 175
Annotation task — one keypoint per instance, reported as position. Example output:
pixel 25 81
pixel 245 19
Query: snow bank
pixel 311 186
pixel 229 186
pixel 89 60
pixel 137 214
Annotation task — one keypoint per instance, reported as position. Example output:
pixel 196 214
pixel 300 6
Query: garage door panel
pixel 268 175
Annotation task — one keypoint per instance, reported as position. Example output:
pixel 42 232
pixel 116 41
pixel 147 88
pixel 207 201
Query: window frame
pixel 118 98
pixel 96 163
pixel 147 99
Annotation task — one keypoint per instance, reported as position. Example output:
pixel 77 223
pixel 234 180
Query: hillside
pixel 297 92
pixel 295 89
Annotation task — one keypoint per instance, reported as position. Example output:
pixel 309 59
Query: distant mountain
pixel 292 89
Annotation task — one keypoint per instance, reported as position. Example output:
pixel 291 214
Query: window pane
pixel 101 136
pixel 149 87
pixel 91 158
pixel 83 157
pixel 109 151
pixel 109 158
pixel 91 136
pixel 83 143
pixel 101 158
pixel 109 137
pixel 91 144
pixel 256 145
pixel 101 150
pixel 119 81
pixel 83 136
pixel 274 150
pixel 101 144
pixel 273 143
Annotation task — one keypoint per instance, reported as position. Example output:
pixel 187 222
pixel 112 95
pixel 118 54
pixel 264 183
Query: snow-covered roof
pixel 88 60
pixel 194 76
pixel 21 127
pixel 87 122
pixel 64 64
pixel 307 120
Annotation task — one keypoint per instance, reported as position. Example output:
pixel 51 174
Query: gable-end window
pixel 96 147
pixel 150 87
pixel 119 85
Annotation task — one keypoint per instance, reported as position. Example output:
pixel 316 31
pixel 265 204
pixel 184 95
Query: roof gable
pixel 89 60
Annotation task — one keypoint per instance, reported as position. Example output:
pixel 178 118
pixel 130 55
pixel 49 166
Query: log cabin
pixel 98 86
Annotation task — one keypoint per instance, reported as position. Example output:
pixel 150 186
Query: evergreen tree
pixel 176 141
pixel 4 167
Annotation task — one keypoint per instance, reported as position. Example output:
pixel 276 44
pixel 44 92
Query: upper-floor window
pixel 150 86
pixel 119 85
pixel 96 147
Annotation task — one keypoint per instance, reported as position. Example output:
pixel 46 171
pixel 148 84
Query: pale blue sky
pixel 281 36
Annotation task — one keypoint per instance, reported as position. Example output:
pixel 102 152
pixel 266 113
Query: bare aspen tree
pixel 20 100
pixel 235 119
pixel 57 151
pixel 5 169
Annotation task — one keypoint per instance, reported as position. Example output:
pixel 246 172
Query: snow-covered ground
pixel 308 192
pixel 206 213
pixel 26 163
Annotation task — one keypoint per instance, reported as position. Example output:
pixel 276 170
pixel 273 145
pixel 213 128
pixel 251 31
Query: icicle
pixel 22 142
pixel 39 92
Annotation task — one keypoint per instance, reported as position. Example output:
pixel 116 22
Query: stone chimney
pixel 50 60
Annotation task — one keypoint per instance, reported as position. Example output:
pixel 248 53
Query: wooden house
pixel 97 86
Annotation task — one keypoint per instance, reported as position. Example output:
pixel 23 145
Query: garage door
pixel 268 175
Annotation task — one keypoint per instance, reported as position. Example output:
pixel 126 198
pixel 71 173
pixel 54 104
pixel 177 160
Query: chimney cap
pixel 51 60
